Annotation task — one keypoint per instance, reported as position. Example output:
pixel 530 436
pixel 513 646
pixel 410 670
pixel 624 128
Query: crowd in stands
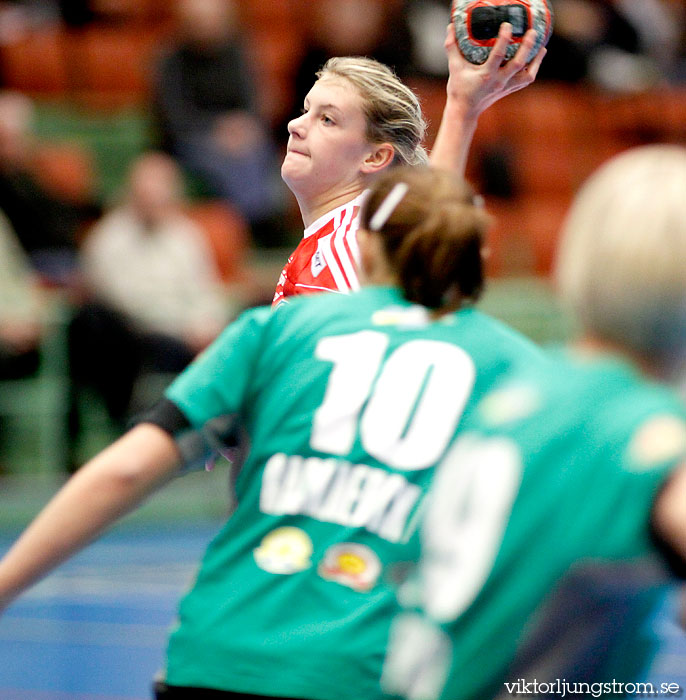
pixel 618 45
pixel 20 309
pixel 152 298
pixel 142 281
pixel 48 226
pixel 207 115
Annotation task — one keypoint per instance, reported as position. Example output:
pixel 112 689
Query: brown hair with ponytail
pixel 433 237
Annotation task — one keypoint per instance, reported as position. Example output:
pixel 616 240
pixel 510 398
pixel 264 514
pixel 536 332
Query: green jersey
pixel 349 403
pixel 555 471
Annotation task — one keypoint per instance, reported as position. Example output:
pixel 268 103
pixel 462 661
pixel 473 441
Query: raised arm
pixel 102 491
pixel 471 89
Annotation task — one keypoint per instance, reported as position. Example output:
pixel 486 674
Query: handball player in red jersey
pixel 359 119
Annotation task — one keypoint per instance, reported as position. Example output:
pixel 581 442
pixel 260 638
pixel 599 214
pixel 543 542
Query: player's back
pixel 556 469
pixel 333 338
pixel 349 402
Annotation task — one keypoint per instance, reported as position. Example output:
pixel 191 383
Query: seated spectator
pixel 46 225
pixel 623 46
pixel 153 294
pixel 660 26
pixel 76 13
pixel 207 116
pixel 21 329
pixel 426 20
pixel 20 309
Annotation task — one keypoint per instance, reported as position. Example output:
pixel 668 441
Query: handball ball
pixel 477 23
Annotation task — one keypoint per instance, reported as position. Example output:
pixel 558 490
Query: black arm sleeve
pixel 199 447
pixel 164 414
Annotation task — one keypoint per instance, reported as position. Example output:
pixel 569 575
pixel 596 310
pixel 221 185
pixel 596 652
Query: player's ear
pixel 378 158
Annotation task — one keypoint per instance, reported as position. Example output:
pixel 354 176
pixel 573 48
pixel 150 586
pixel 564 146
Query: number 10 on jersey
pixel 405 407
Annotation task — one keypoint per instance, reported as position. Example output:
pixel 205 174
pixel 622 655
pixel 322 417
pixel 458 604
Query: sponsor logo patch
pixel 285 550
pixel 511 403
pixel 352 565
pixel 405 317
pixel 659 439
pixel 318 263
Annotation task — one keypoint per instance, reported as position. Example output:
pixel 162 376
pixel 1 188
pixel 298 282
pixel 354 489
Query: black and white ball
pixel 477 22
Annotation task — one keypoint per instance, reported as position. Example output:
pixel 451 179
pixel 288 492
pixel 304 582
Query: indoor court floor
pixel 96 628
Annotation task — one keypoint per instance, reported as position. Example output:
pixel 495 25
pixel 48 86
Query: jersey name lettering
pixel 335 491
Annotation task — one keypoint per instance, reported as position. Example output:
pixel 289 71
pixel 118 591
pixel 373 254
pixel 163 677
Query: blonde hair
pixel 433 237
pixel 392 111
pixel 621 264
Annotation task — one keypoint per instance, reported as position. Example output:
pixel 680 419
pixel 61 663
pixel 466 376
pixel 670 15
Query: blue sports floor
pixel 96 629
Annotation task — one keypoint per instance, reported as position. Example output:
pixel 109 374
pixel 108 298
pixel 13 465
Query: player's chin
pixel 293 173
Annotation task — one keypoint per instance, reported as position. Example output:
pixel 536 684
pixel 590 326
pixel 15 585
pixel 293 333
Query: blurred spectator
pixel 46 225
pixel 352 28
pixel 427 20
pixel 207 116
pixel 18 17
pixel 154 299
pixel 76 13
pixel 660 25
pixel 618 45
pixel 79 13
pixel 20 309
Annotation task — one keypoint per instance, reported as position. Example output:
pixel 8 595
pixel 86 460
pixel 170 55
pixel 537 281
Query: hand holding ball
pixel 477 23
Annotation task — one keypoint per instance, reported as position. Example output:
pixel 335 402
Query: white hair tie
pixel 387 207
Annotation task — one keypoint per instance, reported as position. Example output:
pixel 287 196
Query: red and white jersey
pixel 326 258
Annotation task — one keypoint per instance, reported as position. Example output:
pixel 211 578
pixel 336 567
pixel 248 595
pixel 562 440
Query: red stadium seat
pixel 36 64
pixel 114 63
pixel 431 94
pixel 540 220
pixel 504 254
pixel 67 170
pixel 228 236
pixel 144 12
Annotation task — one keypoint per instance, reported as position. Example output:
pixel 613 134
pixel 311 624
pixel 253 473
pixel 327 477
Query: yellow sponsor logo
pixel 658 440
pixel 352 565
pixel 285 550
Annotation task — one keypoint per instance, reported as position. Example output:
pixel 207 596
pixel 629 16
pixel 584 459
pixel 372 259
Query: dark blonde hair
pixel 434 236
pixel 392 111
pixel 621 265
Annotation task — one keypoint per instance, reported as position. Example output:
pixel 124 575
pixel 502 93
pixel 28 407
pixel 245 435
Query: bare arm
pixel 669 513
pixel 106 488
pixel 471 89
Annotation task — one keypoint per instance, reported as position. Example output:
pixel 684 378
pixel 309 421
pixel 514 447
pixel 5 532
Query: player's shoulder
pixel 309 310
pixel 604 384
pixel 372 308
pixel 634 420
pixel 497 328
pixel 649 416
pixel 598 414
pixel 577 390
pixel 249 323
pixel 495 341
pixel 616 387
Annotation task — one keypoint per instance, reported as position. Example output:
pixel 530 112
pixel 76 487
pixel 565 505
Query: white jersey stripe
pixel 343 254
pixel 347 240
pixel 327 252
pixel 351 240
